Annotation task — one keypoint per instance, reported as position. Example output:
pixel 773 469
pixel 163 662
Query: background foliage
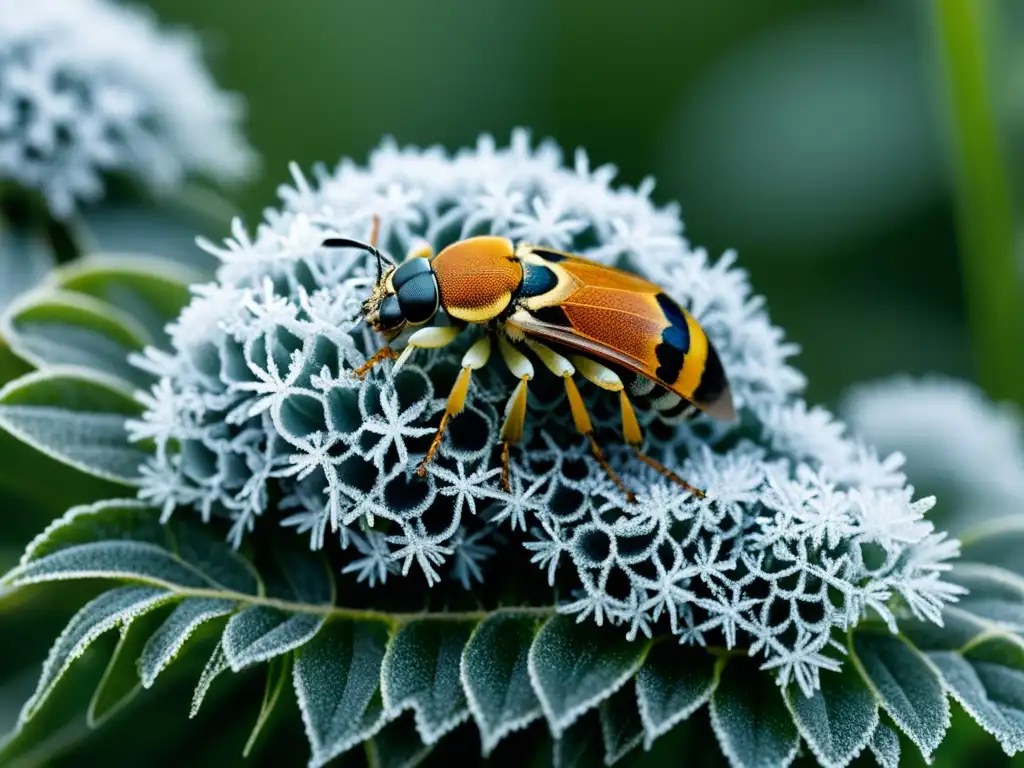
pixel 807 134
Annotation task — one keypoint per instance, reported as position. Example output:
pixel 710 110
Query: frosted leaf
pixel 94 87
pixel 804 528
pixel 952 434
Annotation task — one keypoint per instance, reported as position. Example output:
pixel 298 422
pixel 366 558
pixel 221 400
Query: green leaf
pixel 25 259
pixel 574 667
pixel 260 633
pixel 988 681
pixel 958 628
pixel 496 677
pixel 397 745
pixel 128 560
pixel 885 746
pixel 621 727
pixel 215 558
pixel 107 520
pixel 674 682
pixel 165 643
pixel 750 718
pixel 421 672
pixel 906 684
pixel 337 682
pixel 997 543
pixel 123 538
pixel 76 417
pixel 109 610
pixel 277 675
pixel 120 681
pixel 50 328
pixel 215 666
pixel 838 721
pixel 996 594
pixel 580 745
pixel 149 289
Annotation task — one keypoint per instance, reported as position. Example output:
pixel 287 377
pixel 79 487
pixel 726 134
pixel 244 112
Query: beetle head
pixel 406 294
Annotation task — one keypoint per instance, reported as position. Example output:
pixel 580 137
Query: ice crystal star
pixel 779 557
pixel 90 87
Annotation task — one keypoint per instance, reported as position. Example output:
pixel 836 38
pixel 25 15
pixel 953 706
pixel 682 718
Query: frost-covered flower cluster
pixel 952 434
pixel 89 87
pixel 256 410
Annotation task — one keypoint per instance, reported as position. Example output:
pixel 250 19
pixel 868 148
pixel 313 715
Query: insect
pixel 574 315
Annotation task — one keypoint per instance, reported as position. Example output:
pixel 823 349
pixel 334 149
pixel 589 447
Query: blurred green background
pixel 810 135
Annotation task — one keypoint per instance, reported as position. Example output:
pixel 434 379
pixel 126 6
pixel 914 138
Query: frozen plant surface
pixel 255 410
pixel 89 87
pixel 951 433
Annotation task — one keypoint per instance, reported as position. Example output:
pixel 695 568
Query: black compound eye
pixel 390 312
pixel 418 298
pixel 408 270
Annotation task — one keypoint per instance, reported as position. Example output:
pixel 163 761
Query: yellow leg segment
pixel 608 379
pixel 512 428
pixel 584 426
pixel 476 357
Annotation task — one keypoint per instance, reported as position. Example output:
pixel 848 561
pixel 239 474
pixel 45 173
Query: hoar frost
pixel 256 410
pixel 89 87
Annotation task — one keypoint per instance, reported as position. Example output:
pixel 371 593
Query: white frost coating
pixel 89 87
pixel 804 529
pixel 951 434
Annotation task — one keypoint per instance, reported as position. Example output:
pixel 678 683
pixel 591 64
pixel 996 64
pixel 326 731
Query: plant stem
pixel 994 285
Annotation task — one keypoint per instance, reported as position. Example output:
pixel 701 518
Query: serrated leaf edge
pixel 611 755
pixel 653 732
pixel 149 676
pixel 38 698
pixel 392 710
pixel 723 741
pixel 489 738
pixel 320 755
pixel 559 727
pixel 947 715
pixel 804 734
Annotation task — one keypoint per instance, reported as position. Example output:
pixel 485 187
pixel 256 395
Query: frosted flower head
pixel 92 87
pixel 953 435
pixel 257 417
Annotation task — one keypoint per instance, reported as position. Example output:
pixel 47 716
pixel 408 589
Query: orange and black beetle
pixel 617 330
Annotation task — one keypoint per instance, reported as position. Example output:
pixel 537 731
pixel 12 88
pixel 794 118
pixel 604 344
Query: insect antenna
pixel 344 242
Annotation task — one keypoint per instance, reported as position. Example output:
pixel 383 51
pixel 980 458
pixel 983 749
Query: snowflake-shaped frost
pixel 89 87
pixel 802 532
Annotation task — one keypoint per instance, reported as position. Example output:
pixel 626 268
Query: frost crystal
pixel 952 434
pixel 803 531
pixel 89 87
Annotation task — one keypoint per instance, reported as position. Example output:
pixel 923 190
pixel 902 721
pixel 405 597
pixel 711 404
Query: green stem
pixel 994 285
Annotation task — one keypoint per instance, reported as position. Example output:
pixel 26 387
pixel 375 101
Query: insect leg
pixel 382 354
pixel 430 337
pixel 476 357
pixel 375 231
pixel 515 410
pixel 608 379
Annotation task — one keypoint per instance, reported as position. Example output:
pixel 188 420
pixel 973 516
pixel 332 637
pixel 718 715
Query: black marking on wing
pixel 675 341
pixel 670 362
pixel 712 382
pixel 553 314
pixel 537 281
